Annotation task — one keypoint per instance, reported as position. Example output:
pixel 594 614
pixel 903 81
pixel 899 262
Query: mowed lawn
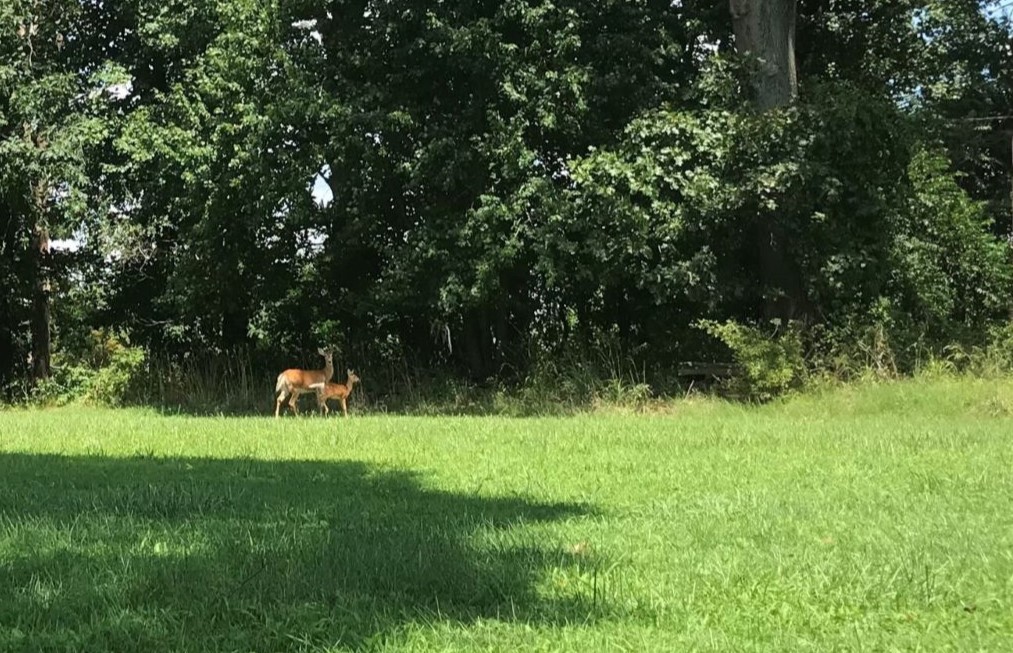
pixel 878 518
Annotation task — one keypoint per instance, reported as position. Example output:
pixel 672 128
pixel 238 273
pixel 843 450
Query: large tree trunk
pixel 235 328
pixel 8 279
pixel 474 346
pixel 1009 236
pixel 40 318
pixel 38 270
pixel 765 31
pixel 6 344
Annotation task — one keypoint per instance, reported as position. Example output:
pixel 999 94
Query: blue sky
pixel 998 8
pixel 321 190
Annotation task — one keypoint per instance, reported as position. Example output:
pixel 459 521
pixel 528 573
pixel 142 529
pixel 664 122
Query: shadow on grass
pixel 195 554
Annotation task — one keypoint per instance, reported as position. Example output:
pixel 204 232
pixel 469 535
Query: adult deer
pixel 294 382
pixel 339 391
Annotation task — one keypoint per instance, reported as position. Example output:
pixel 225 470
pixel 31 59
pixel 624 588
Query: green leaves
pixel 518 173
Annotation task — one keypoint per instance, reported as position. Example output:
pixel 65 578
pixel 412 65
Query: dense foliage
pixel 501 186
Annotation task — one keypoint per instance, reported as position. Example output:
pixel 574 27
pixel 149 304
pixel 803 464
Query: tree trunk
pixel 7 323
pixel 40 317
pixel 1009 237
pixel 6 345
pixel 783 298
pixel 38 273
pixel 235 328
pixel 475 349
pixel 765 29
pixel 8 280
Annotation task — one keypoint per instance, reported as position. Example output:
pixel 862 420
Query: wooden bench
pixel 706 370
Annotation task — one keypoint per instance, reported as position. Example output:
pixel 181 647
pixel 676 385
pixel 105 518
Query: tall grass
pixel 241 383
pixel 605 374
pixel 229 384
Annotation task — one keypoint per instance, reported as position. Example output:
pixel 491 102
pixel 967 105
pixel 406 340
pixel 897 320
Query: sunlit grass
pixel 869 518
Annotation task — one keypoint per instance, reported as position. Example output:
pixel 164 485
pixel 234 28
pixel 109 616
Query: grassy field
pixel 878 518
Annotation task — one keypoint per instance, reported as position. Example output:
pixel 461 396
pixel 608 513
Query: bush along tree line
pixel 575 196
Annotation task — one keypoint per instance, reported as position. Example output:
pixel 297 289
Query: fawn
pixel 339 391
pixel 294 382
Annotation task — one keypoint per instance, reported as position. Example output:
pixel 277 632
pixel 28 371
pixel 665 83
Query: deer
pixel 339 391
pixel 294 382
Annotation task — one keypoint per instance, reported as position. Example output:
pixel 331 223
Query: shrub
pixel 113 383
pixel 104 370
pixel 768 364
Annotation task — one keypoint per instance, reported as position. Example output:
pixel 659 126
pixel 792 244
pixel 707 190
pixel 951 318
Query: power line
pixel 1008 116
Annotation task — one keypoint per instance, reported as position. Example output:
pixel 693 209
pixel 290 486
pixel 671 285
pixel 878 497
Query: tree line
pixel 500 185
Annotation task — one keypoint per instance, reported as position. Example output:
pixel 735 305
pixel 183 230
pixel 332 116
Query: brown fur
pixel 294 382
pixel 339 391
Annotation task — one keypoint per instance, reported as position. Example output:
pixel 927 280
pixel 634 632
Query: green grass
pixel 862 519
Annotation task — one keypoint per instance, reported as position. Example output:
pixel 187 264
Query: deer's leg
pixel 344 406
pixel 293 402
pixel 322 404
pixel 278 403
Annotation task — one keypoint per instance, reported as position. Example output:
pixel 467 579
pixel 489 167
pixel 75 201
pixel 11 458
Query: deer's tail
pixel 281 384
